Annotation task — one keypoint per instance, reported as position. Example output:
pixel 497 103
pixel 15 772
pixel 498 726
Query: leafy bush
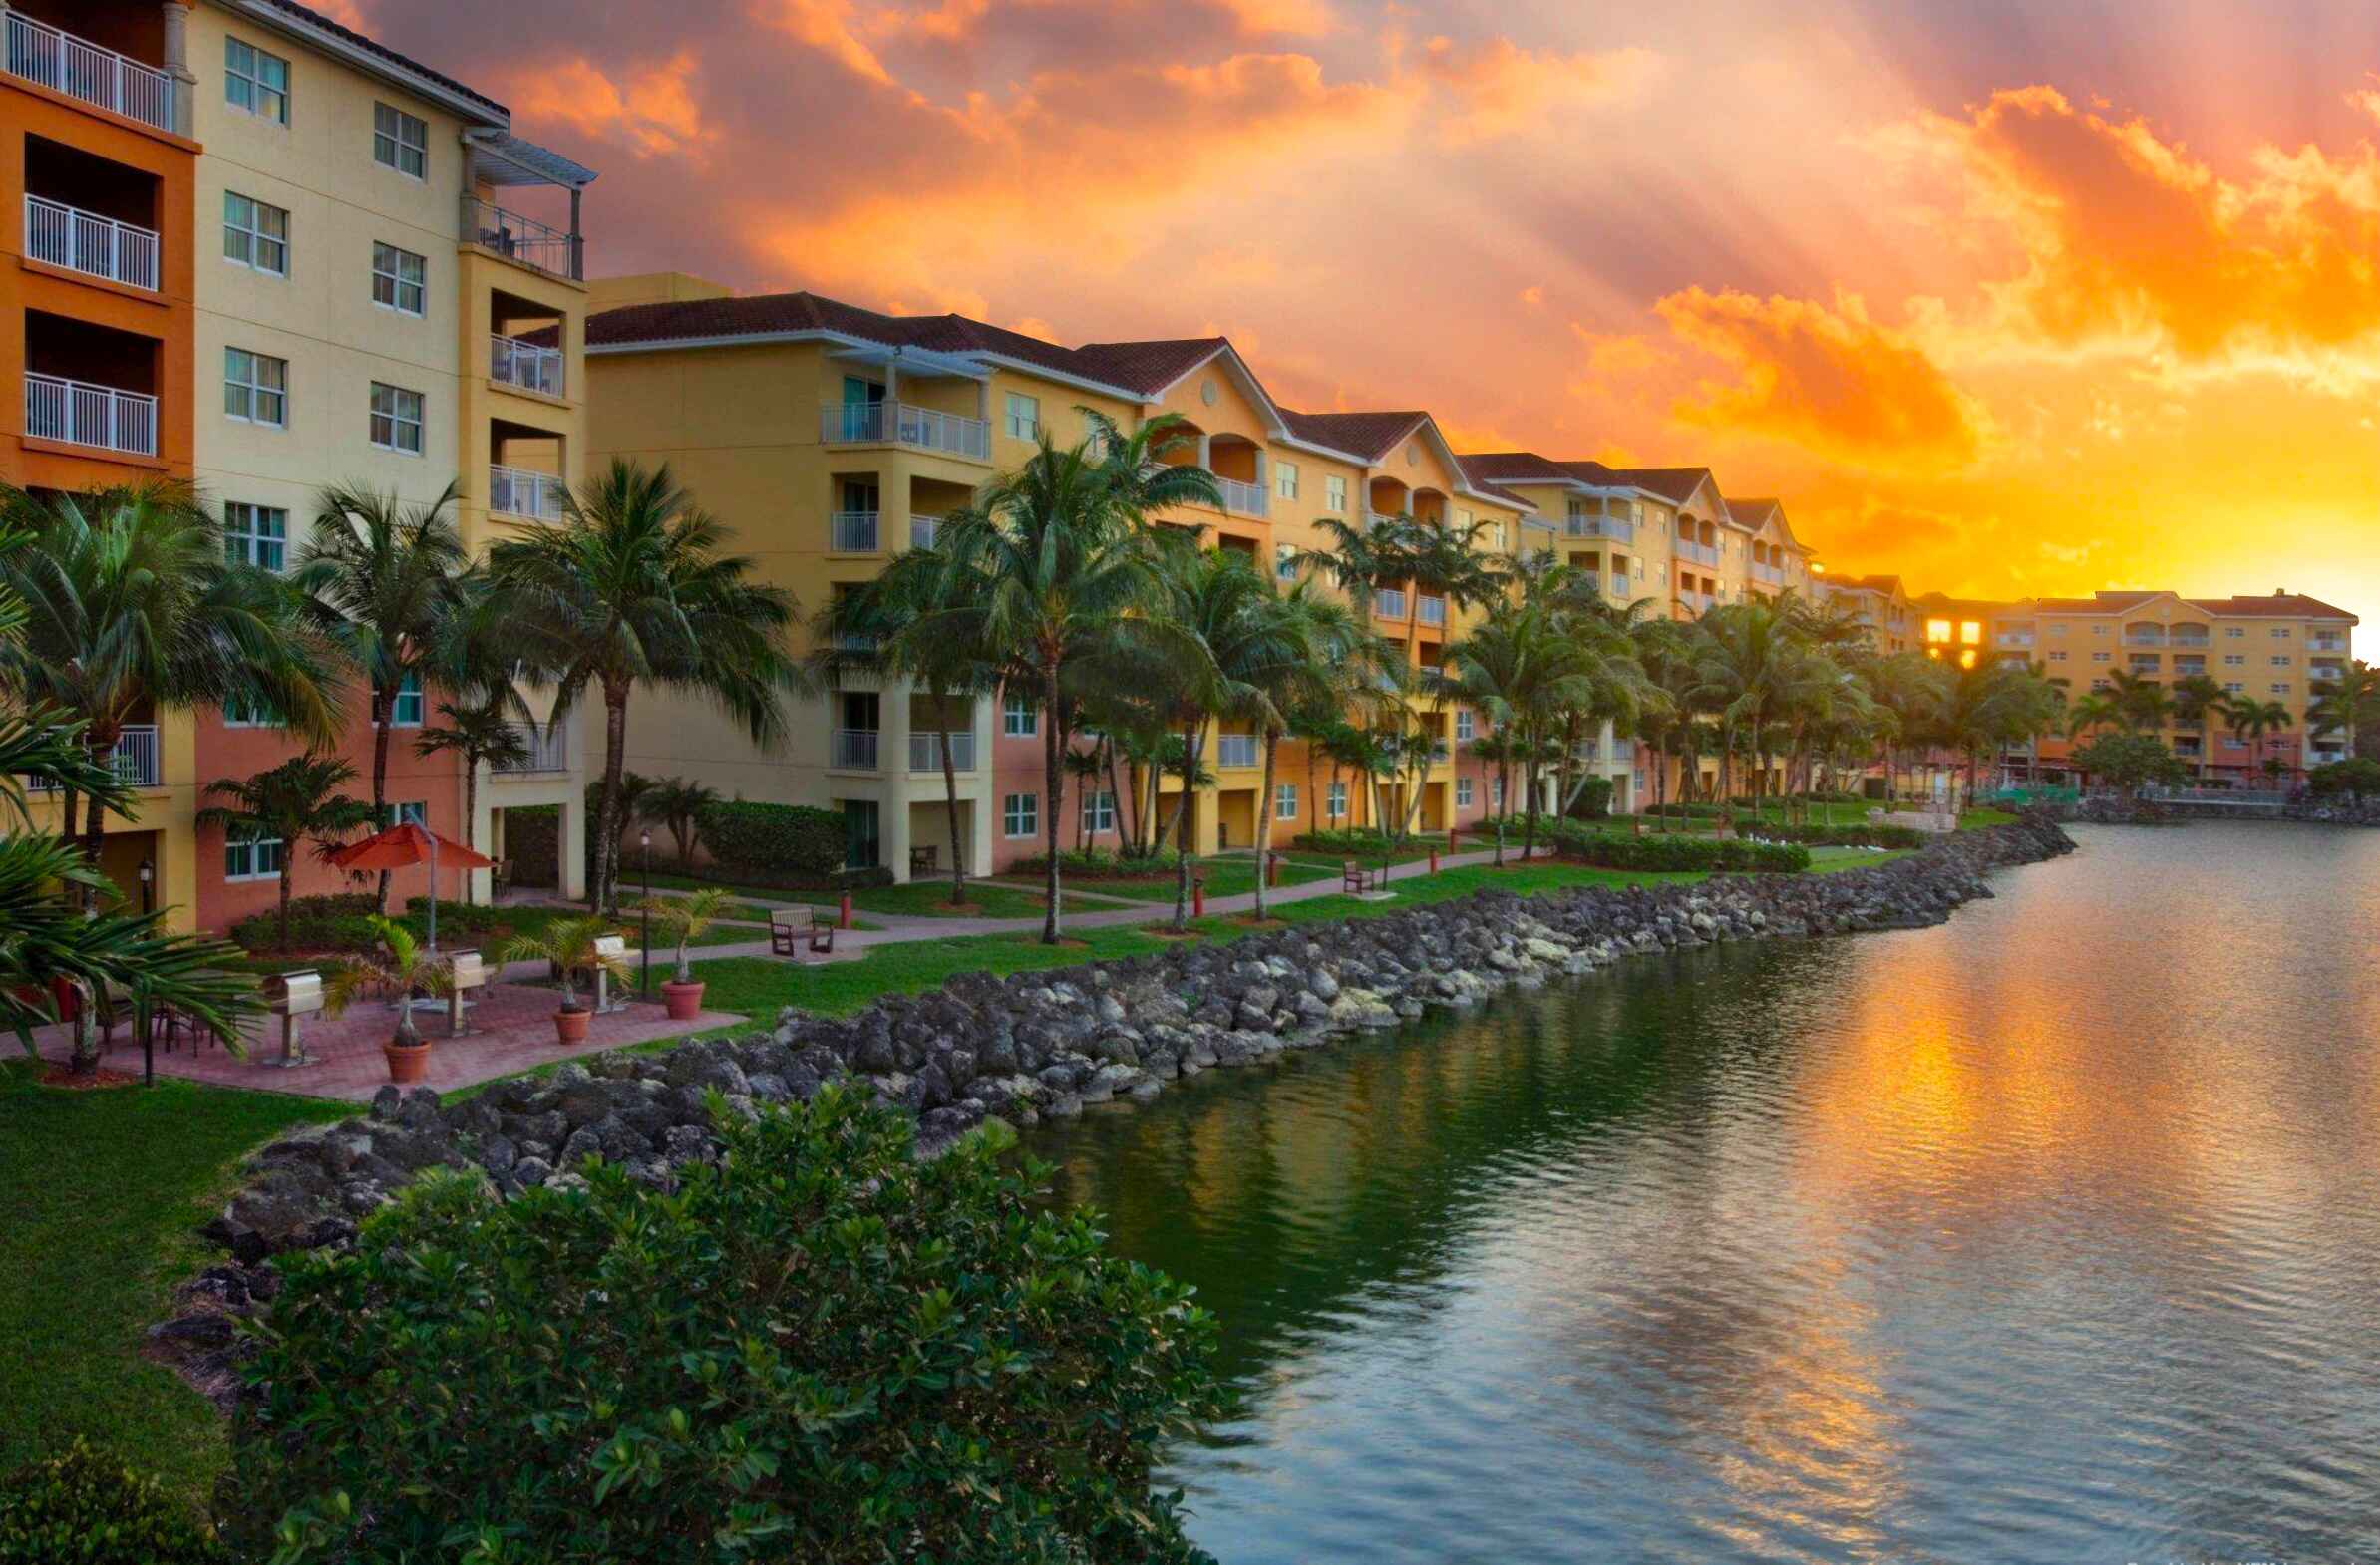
pixel 458 919
pixel 2359 776
pixel 83 1508
pixel 1594 800
pixel 781 839
pixel 330 922
pixel 818 1348
pixel 1361 840
pixel 1670 853
pixel 1684 812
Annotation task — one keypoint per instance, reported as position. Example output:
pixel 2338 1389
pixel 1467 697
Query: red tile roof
pixel 1675 485
pixel 1370 436
pixel 314 18
pixel 2280 605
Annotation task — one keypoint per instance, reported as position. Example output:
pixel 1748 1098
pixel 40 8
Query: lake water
pixel 2049 1234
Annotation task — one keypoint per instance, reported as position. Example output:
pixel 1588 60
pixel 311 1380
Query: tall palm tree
pixel 296 802
pixel 635 588
pixel 480 733
pixel 1306 656
pixel 1749 659
pixel 676 805
pixel 2349 703
pixel 2140 703
pixel 2196 700
pixel 2257 721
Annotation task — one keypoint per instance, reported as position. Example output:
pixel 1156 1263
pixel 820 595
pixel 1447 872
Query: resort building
pixel 1780 563
pixel 1957 630
pixel 831 436
pixel 1882 604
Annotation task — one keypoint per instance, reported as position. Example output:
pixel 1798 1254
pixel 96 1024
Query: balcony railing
pixel 1603 528
pixel 2327 643
pixel 540 246
pixel 67 64
pixel 81 241
pixel 925 750
pixel 1429 610
pixel 2013 638
pixel 2326 670
pixel 512 362
pixel 85 415
pixel 924 530
pixel 1774 575
pixel 2136 636
pixel 1389 603
pixel 1236 750
pixel 2184 667
pixel 516 491
pixel 136 757
pixel 1700 553
pixel 546 749
pixel 853 533
pixel 1243 500
pixel 2188 638
pixel 898 424
pixel 854 749
pixel 1376 518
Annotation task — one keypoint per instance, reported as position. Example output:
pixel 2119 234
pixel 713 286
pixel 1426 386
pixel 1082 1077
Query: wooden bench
pixel 793 928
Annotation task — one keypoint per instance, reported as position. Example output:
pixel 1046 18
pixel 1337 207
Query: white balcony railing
pixel 852 748
pixel 538 246
pixel 1774 575
pixel 898 424
pixel 925 750
pixel 2013 638
pixel 67 64
pixel 851 532
pixel 62 236
pixel 512 362
pixel 1236 750
pixel 924 530
pixel 86 415
pixel 516 491
pixel 1603 528
pixel 2327 643
pixel 1375 518
pixel 2143 636
pixel 546 749
pixel 1389 603
pixel 1429 610
pixel 135 756
pixel 2188 638
pixel 1700 553
pixel 1243 500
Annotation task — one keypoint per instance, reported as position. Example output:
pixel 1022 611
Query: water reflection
pixel 2049 1234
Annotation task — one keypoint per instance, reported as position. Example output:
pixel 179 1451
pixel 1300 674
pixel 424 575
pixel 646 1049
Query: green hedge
pixel 774 840
pixel 1670 853
pixel 332 922
pixel 1594 800
pixel 81 1507
pixel 1684 812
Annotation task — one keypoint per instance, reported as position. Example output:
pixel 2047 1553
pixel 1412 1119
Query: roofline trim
pixel 485 111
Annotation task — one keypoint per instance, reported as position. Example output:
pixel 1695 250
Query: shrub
pixel 2357 777
pixel 1361 840
pixel 1671 853
pixel 84 1509
pixel 781 839
pixel 330 922
pixel 1594 800
pixel 1684 812
pixel 818 1348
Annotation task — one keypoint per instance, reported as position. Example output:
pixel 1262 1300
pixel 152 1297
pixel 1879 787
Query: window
pixel 1334 495
pixel 1284 479
pixel 1463 793
pixel 2057 657
pixel 2235 688
pixel 255 235
pixel 2280 660
pixel 1020 814
pixel 1496 537
pixel 2281 633
pixel 256 81
pixel 395 419
pixel 256 535
pixel 1099 812
pixel 2232 660
pixel 2235 632
pixel 400 142
pixel 411 812
pixel 246 712
pixel 405 711
pixel 1284 561
pixel 2057 630
pixel 1336 805
pixel 2098 630
pixel 256 387
pixel 400 279
pixel 1024 416
pixel 1496 792
pixel 1284 802
pixel 2281 688
pixel 1019 716
pixel 258 859
pixel 2101 657
pixel 1465 723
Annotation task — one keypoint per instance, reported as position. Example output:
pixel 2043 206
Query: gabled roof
pixel 309 19
pixel 1151 367
pixel 1527 466
pixel 1370 436
pixel 1888 585
pixel 1757 514
pixel 1674 484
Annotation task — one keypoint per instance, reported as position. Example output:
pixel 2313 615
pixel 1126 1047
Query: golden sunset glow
pixel 2003 309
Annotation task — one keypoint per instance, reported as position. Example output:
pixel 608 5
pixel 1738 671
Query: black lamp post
pixel 644 980
pixel 148 874
pixel 147 886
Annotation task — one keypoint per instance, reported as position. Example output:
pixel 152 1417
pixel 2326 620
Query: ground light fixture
pixel 644 980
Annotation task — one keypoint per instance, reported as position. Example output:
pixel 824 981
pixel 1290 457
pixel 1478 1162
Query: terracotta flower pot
pixel 407 1065
pixel 570 1026
pixel 683 1000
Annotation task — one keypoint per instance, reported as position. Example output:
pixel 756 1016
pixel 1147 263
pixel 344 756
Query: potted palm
pixel 685 920
pixel 571 944
pixel 397 965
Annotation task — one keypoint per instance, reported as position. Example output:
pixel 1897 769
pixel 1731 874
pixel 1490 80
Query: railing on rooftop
pixel 42 55
pixel 899 423
pixel 60 235
pixel 512 362
pixel 538 246
pixel 80 413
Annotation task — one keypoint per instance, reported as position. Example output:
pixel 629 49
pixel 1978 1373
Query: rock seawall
pixel 1030 1045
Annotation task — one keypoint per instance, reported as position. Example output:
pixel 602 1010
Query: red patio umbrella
pixel 404 845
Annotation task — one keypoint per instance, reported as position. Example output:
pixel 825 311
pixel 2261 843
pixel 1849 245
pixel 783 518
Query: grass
pixel 1225 877
pixel 105 1190
pixel 916 899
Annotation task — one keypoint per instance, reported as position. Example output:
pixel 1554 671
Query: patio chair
pixel 790 929
pixel 1353 876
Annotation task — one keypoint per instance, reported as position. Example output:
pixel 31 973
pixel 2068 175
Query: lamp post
pixel 644 980
pixel 140 1019
pixel 148 874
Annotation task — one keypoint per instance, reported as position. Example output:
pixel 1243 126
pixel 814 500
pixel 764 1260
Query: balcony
pixel 516 491
pixel 546 749
pixel 535 245
pixel 1700 553
pixel 60 235
pixel 2326 670
pixel 898 424
pixel 2188 638
pixel 924 530
pixel 2326 643
pixel 1774 575
pixel 852 750
pixel 926 750
pixel 83 414
pixel 2184 668
pixel 1618 527
pixel 1389 603
pixel 1376 518
pixel 1243 500
pixel 2324 754
pixel 853 533
pixel 1236 750
pixel 101 76
pixel 512 362
pixel 2143 636
pixel 136 757
pixel 2013 638
pixel 1430 611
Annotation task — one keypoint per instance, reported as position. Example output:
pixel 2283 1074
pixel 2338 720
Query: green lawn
pixel 105 1189
pixel 916 899
pixel 1225 877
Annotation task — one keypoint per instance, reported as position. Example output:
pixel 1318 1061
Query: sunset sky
pixel 2010 299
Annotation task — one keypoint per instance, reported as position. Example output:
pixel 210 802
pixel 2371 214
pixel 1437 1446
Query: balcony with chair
pixel 47 56
pixel 526 366
pixel 901 424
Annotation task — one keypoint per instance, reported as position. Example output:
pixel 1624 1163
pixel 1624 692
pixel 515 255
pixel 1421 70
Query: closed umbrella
pixel 403 846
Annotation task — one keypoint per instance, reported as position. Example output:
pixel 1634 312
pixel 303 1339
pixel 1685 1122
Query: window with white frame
pixel 2281 633
pixel 406 710
pixel 400 142
pixel 2101 657
pixel 1496 537
pixel 1463 793
pixel 411 813
pixel 1334 494
pixel 1284 479
pixel 256 535
pixel 2233 660
pixel 1019 716
pixel 2280 687
pixel 248 712
pixel 2098 630
pixel 1020 814
pixel 2057 657
pixel 2235 688
pixel 1335 801
pixel 2280 660
pixel 1099 812
pixel 255 235
pixel 256 859
pixel 1496 792
pixel 1284 561
pixel 397 418
pixel 256 82
pixel 1024 416
pixel 400 279
pixel 256 387
pixel 2235 632
pixel 1466 724
pixel 1284 802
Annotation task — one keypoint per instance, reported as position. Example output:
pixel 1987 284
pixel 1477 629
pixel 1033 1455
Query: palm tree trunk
pixel 1182 825
pixel 958 866
pixel 94 811
pixel 1113 788
pixel 1528 799
pixel 1264 813
pixel 605 890
pixel 470 817
pixel 1050 787
pixel 288 857
pixel 382 701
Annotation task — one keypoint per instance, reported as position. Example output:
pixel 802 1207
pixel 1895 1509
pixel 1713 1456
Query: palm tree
pixel 573 945
pixel 2255 719
pixel 1748 660
pixel 483 734
pixel 1087 767
pixel 2348 703
pixel 2197 698
pixel 676 805
pixel 2140 703
pixel 296 802
pixel 1049 562
pixel 128 608
pixel 1303 651
pixel 381 578
pixel 2096 710
pixel 634 587
pixel 399 966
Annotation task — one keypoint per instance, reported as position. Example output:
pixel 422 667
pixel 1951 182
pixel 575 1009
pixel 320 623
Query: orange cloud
pixel 1828 380
pixel 1497 88
pixel 655 114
